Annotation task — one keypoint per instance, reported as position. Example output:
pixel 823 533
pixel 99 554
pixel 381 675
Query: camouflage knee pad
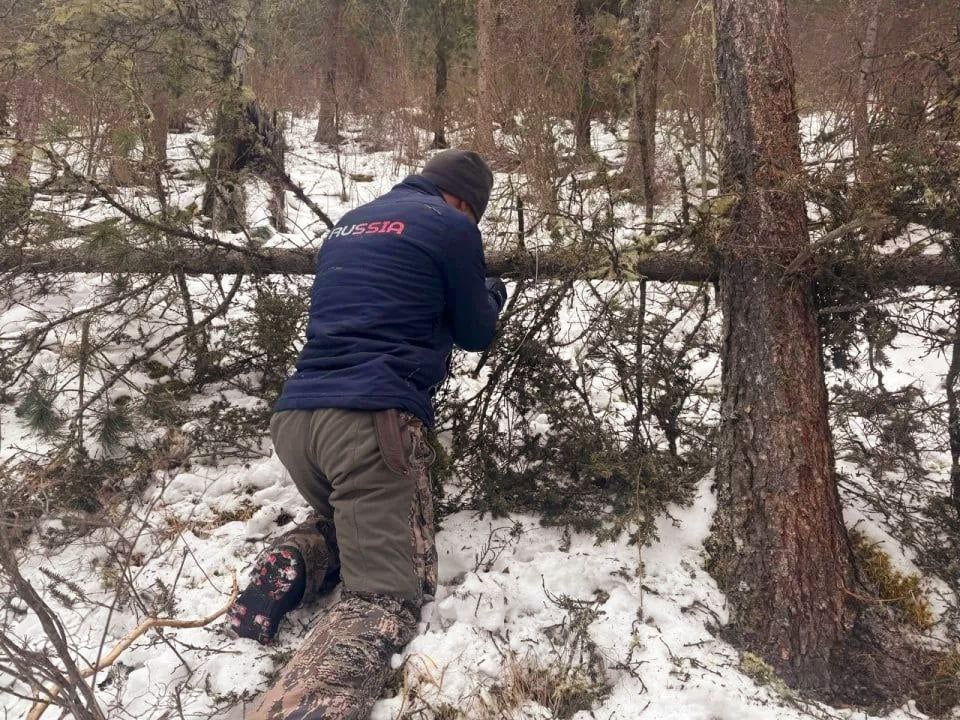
pixel 340 670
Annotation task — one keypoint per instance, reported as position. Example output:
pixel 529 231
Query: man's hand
pixel 499 290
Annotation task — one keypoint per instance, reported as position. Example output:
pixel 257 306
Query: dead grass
pixel 174 525
pixel 939 695
pixel 557 690
pixel 564 691
pixel 569 678
pixel 902 592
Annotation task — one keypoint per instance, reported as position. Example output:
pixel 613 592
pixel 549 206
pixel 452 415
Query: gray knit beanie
pixel 462 173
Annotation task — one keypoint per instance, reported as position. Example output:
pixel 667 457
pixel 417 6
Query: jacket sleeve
pixel 472 309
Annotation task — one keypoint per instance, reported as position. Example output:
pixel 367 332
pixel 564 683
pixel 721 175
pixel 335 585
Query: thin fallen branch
pixel 40 706
pixel 80 701
pixel 166 229
pixel 810 251
pixel 300 193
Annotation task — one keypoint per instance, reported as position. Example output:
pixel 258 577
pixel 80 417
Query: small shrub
pixel 156 369
pixel 107 239
pixel 244 511
pixel 941 694
pixel 267 338
pixel 163 401
pixel 36 407
pixel 115 423
pixel 590 432
pixel 225 430
pixel 73 481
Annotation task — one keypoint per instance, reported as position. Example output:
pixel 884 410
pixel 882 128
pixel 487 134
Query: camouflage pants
pixel 366 474
pixel 340 670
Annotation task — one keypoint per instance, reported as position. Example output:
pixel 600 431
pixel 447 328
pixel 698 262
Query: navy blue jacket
pixel 398 282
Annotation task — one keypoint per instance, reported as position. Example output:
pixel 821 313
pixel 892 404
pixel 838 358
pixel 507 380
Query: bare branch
pixel 110 658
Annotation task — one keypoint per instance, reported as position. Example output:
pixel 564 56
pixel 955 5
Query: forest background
pixel 170 168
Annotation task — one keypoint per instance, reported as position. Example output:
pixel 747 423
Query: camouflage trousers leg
pixel 340 670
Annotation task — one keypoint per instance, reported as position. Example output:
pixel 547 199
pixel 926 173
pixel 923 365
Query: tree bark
pixel 861 113
pixel 584 109
pixel 273 165
pixel 486 27
pixel 952 385
pixel 158 128
pixel 248 139
pixel 4 110
pixel 872 190
pixel 155 129
pixel 643 120
pixel 16 195
pixel 121 171
pixel 27 99
pixel 441 52
pixel 224 200
pixel 328 118
pixel 780 550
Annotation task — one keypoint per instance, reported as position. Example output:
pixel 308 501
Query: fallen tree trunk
pixel 880 271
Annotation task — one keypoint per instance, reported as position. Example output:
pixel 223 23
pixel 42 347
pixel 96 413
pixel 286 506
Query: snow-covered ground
pixel 514 596
pixel 503 584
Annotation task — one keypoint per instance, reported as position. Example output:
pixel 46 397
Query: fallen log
pixel 882 271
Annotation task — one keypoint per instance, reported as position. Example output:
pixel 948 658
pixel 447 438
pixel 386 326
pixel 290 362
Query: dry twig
pixel 40 706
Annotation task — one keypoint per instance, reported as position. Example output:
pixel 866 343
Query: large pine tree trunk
pixel 486 27
pixel 643 120
pixel 779 550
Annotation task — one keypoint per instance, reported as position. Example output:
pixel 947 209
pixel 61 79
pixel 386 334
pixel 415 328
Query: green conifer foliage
pixel 37 407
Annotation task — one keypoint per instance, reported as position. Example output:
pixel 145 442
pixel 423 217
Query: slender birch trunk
pixel 27 107
pixel 861 114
